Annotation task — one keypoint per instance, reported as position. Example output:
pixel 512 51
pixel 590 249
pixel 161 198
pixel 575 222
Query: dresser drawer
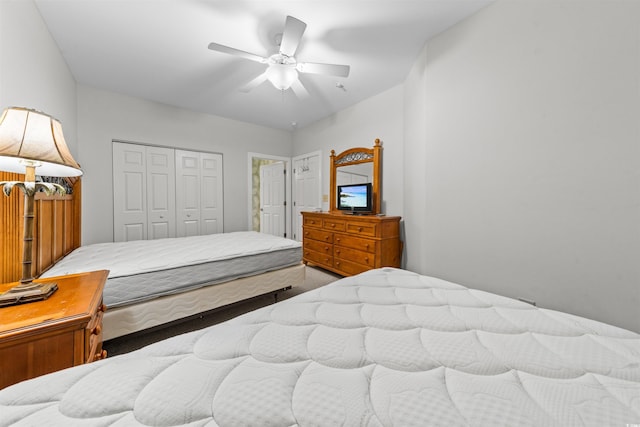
pixel 320 235
pixel 312 221
pixel 359 257
pixel 349 267
pixel 359 243
pixel 332 224
pixel 362 228
pixel 318 257
pixel 322 247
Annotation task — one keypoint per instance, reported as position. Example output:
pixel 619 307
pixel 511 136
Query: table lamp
pixel 32 141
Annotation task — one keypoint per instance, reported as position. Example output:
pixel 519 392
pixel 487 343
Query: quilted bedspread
pixel 387 347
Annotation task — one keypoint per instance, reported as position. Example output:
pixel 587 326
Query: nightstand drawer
pixel 94 351
pixel 359 243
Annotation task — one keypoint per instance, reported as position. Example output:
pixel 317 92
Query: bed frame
pixel 57 232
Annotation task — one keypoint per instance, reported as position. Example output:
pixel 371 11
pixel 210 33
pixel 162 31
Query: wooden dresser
pixel 350 244
pixel 62 331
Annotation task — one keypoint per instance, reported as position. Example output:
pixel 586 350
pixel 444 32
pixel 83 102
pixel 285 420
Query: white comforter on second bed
pixel 386 347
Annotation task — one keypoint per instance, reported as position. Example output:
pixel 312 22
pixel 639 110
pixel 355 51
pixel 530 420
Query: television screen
pixel 355 197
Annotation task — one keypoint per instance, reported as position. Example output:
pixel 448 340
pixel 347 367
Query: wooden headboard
pixel 56 229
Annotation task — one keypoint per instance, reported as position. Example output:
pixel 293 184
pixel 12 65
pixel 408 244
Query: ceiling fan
pixel 282 67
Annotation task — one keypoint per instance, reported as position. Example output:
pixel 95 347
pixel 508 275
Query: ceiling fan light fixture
pixel 282 76
pixel 282 67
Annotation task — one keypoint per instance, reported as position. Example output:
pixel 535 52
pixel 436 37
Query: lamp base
pixel 27 292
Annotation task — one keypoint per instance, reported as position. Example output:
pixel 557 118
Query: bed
pixel 57 251
pixel 152 282
pixel 386 347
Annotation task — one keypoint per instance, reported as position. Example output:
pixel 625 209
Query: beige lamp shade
pixel 29 137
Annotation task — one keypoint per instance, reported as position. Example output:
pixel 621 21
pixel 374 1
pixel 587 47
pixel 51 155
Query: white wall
pixel 104 116
pixel 358 126
pixel 523 130
pixel 33 73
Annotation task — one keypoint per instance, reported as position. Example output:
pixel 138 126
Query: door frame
pixel 288 209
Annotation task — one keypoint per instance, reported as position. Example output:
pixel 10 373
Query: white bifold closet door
pixel 163 192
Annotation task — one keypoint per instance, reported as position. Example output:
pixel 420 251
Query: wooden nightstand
pixel 62 331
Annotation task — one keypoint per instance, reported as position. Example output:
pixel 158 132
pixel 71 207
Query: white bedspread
pixel 142 256
pixel 387 347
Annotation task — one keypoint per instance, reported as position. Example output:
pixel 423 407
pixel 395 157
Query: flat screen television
pixel 355 197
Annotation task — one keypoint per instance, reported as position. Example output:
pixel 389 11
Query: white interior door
pixel 272 199
pixel 306 188
pixel 161 193
pixel 129 192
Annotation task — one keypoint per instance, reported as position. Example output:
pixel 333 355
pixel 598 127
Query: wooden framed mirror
pixel 360 163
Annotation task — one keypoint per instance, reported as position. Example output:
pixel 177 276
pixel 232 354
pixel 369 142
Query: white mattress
pixel 387 347
pixel 146 269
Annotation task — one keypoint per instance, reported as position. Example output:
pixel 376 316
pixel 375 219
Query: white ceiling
pixel 157 49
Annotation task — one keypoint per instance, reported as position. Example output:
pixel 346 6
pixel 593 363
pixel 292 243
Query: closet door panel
pixel 211 193
pixel 129 190
pixel 161 193
pixel 187 193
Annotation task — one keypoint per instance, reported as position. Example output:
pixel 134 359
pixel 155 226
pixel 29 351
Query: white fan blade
pixel 254 83
pixel 328 69
pixel 299 89
pixel 293 30
pixel 241 53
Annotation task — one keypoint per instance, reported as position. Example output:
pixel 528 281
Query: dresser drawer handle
pixel 337 251
pixel 306 233
pixel 326 237
pixel 359 228
pixel 326 248
pixel 97 330
pixel 337 239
